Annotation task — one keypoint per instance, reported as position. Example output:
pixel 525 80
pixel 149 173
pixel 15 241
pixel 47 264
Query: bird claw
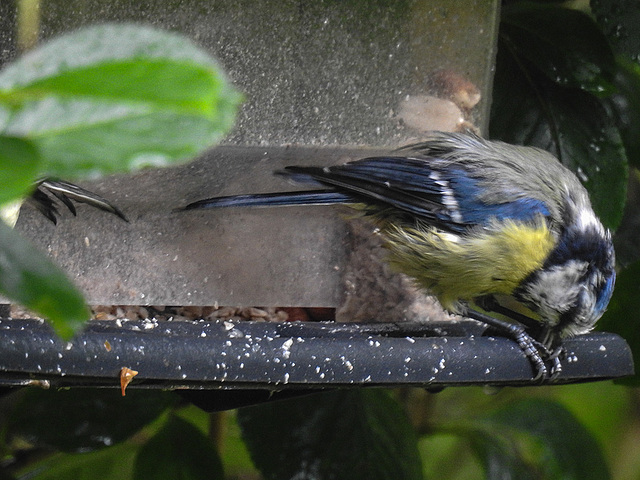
pixel 540 355
pixel 532 348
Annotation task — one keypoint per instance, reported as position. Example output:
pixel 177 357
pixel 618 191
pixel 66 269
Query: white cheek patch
pixel 556 290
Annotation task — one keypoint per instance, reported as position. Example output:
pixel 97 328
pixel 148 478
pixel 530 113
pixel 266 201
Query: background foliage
pixel 566 80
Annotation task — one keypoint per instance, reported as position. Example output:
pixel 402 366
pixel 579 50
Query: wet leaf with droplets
pixel 624 107
pixel 619 21
pixel 564 44
pixel 530 109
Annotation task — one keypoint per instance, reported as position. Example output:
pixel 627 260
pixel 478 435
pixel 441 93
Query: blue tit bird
pixel 473 220
pixel 44 197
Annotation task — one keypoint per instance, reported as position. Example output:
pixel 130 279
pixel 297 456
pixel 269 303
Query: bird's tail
pixel 65 192
pixel 306 197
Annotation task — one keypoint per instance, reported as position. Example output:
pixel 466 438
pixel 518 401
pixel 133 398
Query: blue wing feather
pixel 438 192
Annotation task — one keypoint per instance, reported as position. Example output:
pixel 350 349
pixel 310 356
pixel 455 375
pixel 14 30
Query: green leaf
pixel 19 163
pixel 623 315
pixel 619 22
pixel 116 97
pixel 565 45
pixel 624 107
pixel 501 457
pixel 82 420
pixel 179 451
pixel 113 463
pixel 530 109
pixel 322 436
pixel 533 439
pixel 558 445
pixel 31 279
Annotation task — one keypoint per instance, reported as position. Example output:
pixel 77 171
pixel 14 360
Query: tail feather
pixel 65 192
pixel 307 197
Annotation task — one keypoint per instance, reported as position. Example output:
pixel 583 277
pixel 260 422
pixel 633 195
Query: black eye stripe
pixel 587 245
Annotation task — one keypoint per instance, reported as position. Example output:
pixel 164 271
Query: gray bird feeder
pixel 325 82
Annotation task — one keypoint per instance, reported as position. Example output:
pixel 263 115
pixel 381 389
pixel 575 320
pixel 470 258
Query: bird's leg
pixel 490 304
pixel 532 348
pixel 553 350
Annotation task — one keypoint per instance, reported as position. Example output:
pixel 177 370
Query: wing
pixel 438 192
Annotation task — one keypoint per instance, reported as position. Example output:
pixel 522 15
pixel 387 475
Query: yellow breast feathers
pixel 492 260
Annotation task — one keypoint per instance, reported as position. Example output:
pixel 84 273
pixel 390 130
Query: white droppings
pixel 411 340
pixel 602 348
pixel 286 352
pixel 236 333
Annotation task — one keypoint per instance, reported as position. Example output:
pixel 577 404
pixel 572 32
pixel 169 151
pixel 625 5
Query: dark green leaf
pixel 31 279
pixel 179 451
pixel 19 163
pixel 116 97
pixel 500 455
pixel 565 45
pixel 323 436
pixel 623 314
pixel 619 20
pixel 624 107
pixel 530 109
pixel 81 420
pixel 565 444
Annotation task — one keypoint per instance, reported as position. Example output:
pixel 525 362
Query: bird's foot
pixel 546 363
